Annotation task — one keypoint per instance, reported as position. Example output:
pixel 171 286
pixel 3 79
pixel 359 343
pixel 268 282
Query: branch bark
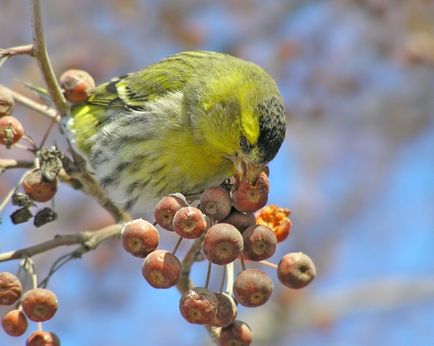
pixel 88 239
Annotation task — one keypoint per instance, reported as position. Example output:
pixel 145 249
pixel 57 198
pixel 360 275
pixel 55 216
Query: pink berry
pixel 222 243
pixel 189 222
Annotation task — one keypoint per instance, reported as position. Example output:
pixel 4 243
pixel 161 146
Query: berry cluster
pixel 224 223
pixel 37 304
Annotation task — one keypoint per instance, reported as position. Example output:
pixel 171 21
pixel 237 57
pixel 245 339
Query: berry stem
pixel 222 284
pixel 177 245
pixel 243 264
pixel 268 264
pixel 208 274
pixel 40 326
pixel 230 277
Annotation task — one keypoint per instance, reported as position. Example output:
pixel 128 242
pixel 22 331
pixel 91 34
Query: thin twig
pixel 18 50
pixel 230 277
pixel 41 55
pixel 46 111
pixel 177 245
pixel 89 239
pixel 6 199
pixel 243 264
pixel 268 264
pixel 222 283
pixel 208 274
pixel 11 163
pixel 184 282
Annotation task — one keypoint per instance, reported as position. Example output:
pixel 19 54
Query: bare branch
pixel 41 55
pixel 88 239
pixel 18 50
pixel 38 107
pixel 11 163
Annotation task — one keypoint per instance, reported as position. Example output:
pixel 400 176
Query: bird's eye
pixel 245 145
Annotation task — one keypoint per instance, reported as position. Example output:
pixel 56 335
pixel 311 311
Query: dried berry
pixel 76 85
pixel 198 306
pixel 22 200
pixel 51 163
pixel 216 203
pixel 189 222
pixel 14 323
pixel 226 310
pixel 166 209
pixel 249 198
pixel 39 304
pixel 277 219
pixel 10 288
pixel 222 243
pixel 37 187
pixel 44 216
pixel 139 237
pixel 21 215
pixel 161 269
pixel 240 220
pixel 11 130
pixel 296 270
pixel 253 287
pixel 6 102
pixel 42 338
pixel 259 242
pixel 237 333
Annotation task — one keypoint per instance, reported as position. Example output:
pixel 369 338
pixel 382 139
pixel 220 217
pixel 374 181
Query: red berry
pixel 39 304
pixel 37 187
pixel 240 220
pixel 249 198
pixel 222 243
pixel 296 270
pixel 6 102
pixel 166 209
pixel 14 323
pixel 42 338
pixel 216 203
pixel 161 269
pixel 237 333
pixel 252 287
pixel 226 310
pixel 189 222
pixel 139 237
pixel 259 242
pixel 76 85
pixel 11 130
pixel 198 306
pixel 10 288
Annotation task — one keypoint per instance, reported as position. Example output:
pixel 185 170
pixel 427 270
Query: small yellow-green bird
pixel 183 124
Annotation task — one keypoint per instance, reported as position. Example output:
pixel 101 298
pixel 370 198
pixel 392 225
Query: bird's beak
pixel 246 171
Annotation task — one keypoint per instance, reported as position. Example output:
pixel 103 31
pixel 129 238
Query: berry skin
pixel 10 288
pixel 296 270
pixel 240 220
pixel 37 187
pixel 277 219
pixel 237 333
pixel 11 130
pixel 166 209
pixel 39 304
pixel 216 203
pixel 249 198
pixel 139 238
pixel 259 243
pixel 42 338
pixel 222 243
pixel 189 222
pixel 161 269
pixel 14 323
pixel 252 287
pixel 76 84
pixel 6 102
pixel 226 310
pixel 198 306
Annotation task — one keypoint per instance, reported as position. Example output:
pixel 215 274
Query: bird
pixel 181 125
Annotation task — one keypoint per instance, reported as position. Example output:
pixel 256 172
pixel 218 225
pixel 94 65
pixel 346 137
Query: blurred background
pixel 357 167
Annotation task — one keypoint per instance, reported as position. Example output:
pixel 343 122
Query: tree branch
pixel 18 50
pixel 88 239
pixel 38 107
pixel 11 163
pixel 41 55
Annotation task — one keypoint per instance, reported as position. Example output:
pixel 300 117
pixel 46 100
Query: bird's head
pixel 263 128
